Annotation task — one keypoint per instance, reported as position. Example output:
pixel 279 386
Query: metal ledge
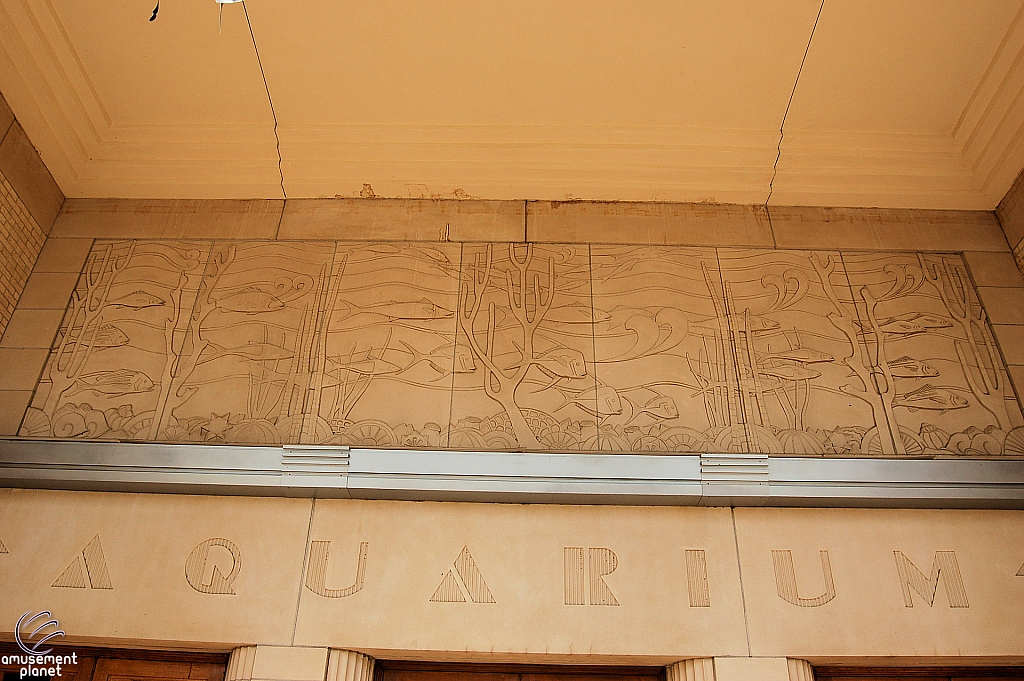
pixel 625 479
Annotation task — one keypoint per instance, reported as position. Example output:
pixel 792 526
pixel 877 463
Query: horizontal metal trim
pixel 624 479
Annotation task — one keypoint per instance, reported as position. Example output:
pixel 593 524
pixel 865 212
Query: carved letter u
pixel 785 580
pixel 316 573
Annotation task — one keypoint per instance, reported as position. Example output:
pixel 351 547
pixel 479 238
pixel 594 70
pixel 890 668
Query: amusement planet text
pixel 39 665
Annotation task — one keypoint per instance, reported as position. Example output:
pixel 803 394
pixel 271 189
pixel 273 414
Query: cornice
pixel 90 155
pixel 44 81
pixel 990 132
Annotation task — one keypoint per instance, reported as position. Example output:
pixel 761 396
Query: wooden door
pixel 128 665
pixel 421 671
pixel 114 669
pixel 919 674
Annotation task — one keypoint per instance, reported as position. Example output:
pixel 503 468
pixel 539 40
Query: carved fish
pixel 115 383
pixel 897 327
pixel 802 355
pixel 370 367
pixel 575 313
pixel 751 323
pixel 931 398
pixel 436 255
pixel 662 407
pixel 109 336
pixel 441 357
pixel 383 249
pixel 604 397
pixel 790 372
pixel 563 362
pixel 441 261
pixel 623 267
pixel 417 309
pixel 257 352
pixel 250 300
pixel 908 367
pixel 137 300
pixel 928 321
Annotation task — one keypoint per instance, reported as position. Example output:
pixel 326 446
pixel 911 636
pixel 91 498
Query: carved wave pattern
pixel 529 347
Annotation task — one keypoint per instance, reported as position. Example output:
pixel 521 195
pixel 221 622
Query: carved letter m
pixel 944 567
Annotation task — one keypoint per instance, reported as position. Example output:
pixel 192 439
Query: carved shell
pixel 466 438
pixel 35 424
pixel 648 443
pixel 370 433
pixel 609 441
pixel 74 420
pixel 912 444
pixel 959 443
pixel 800 442
pixel 255 432
pixel 984 443
pixel 499 439
pixel 682 439
pixel 118 417
pixel 998 434
pixel 933 436
pixel 1014 443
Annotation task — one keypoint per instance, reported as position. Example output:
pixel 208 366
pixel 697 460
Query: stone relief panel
pixel 525 319
pixel 663 369
pixel 242 368
pixel 384 375
pixel 940 382
pixel 528 347
pixel 786 320
pixel 119 343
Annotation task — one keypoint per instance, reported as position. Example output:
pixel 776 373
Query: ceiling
pixel 916 103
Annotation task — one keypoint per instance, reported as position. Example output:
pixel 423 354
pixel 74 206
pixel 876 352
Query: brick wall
pixel 21 239
pixel 29 202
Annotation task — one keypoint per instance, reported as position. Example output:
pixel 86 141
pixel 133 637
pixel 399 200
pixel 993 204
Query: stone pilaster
pixel 695 669
pixel 346 665
pixel 277 663
pixel 800 670
pixel 240 664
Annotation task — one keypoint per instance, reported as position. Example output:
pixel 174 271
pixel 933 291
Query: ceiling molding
pixel 991 128
pixel 45 81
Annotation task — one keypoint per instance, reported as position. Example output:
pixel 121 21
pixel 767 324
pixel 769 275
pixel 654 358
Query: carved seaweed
pixel 84 320
pixel 498 385
pixel 982 368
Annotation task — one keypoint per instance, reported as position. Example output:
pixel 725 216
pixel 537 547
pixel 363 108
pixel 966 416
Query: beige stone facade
pixel 513 342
